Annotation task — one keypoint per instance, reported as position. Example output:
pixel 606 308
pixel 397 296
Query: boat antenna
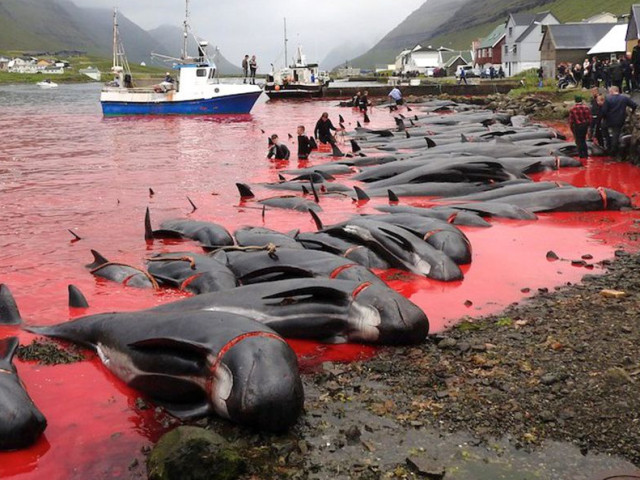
pixel 185 35
pixel 286 57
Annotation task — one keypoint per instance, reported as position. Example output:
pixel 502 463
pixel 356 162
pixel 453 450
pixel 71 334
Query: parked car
pixel 469 70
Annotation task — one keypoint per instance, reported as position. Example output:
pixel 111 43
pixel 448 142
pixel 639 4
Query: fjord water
pixel 63 166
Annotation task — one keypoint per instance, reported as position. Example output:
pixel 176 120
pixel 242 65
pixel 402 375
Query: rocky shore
pixel 546 390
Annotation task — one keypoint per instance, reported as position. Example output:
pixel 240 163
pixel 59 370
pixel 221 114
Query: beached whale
pixel 401 248
pixel 191 272
pixel 21 423
pixel 263 237
pixel 291 202
pixel 122 273
pixel 285 263
pixel 320 309
pixel 195 363
pixel 210 235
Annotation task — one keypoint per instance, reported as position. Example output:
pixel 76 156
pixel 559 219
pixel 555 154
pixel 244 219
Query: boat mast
pixel 115 37
pixel 286 57
pixel 186 31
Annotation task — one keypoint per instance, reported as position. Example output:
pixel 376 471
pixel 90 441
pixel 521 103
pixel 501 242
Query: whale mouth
pixel 365 324
pixel 222 387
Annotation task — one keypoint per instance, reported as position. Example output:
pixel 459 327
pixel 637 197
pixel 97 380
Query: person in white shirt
pixel 396 95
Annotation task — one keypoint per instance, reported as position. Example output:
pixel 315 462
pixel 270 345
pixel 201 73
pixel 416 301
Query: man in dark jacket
pixel 305 144
pixel 614 113
pixel 277 150
pixel 323 130
pixel 635 63
pixel 616 74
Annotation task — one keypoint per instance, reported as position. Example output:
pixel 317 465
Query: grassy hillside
pixel 473 20
pixel 565 10
pixel 53 25
pixel 415 28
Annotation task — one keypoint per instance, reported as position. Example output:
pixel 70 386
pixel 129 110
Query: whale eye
pixel 222 386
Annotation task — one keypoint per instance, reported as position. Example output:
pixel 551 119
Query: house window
pixel 511 31
pixel 515 49
pixel 506 49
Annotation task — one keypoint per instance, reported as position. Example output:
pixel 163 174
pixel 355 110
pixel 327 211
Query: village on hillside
pixel 523 42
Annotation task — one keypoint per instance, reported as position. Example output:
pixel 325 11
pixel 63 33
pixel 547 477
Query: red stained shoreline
pixel 66 169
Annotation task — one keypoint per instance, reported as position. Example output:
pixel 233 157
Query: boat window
pixel 201 72
pixel 211 73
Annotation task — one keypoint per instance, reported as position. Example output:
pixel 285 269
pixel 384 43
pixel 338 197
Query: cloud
pixel 256 26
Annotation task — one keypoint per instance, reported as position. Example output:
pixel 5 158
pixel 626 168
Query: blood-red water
pixel 63 166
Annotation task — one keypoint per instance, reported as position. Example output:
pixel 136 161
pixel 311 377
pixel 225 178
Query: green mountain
pixel 456 23
pixel 55 25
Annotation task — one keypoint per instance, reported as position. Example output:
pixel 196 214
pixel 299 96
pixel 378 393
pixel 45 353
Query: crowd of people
pixel 622 72
pixel 602 121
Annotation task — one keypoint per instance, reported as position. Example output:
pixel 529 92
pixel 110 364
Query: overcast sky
pixel 256 26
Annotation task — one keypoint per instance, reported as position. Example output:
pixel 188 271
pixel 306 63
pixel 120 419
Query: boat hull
pixel 294 91
pixel 223 105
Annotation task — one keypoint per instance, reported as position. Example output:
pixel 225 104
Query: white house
pixel 23 65
pixel 401 60
pixel 4 63
pixel 522 42
pixel 425 59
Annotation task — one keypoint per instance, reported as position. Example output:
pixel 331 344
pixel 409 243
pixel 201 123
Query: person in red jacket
pixel 579 122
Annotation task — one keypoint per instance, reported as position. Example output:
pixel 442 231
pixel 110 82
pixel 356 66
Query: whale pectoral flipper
pixel 8 347
pixel 316 291
pixel 403 242
pixel 192 348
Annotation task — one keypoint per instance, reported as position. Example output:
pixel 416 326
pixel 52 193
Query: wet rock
pixel 551 255
pixel 617 376
pixel 352 435
pixel 426 467
pixel 448 342
pixel 551 378
pixel 191 453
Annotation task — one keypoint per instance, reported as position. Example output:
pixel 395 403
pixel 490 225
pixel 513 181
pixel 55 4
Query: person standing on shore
pixel 614 112
pixel 245 67
pixel 364 101
pixel 579 123
pixel 635 65
pixel 540 77
pixel 253 67
pixel 396 97
pixel 462 76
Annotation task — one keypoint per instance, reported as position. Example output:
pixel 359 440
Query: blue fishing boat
pixel 196 90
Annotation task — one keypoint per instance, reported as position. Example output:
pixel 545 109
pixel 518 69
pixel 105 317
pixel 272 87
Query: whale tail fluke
pixel 98 260
pixel 76 298
pixel 245 190
pixel 9 313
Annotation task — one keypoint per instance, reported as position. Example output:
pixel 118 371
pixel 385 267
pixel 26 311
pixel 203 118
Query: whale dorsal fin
pixel 98 260
pixel 245 190
pixel 76 298
pixel 9 313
